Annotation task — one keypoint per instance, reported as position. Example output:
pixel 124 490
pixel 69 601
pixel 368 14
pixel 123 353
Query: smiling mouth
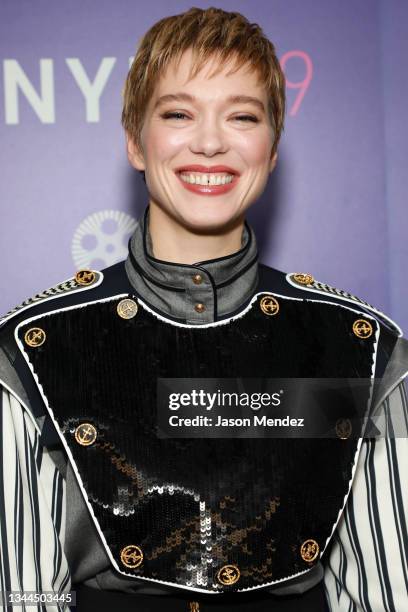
pixel 215 180
pixel 207 183
pixel 201 178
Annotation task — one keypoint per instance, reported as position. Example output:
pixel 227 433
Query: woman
pixel 133 516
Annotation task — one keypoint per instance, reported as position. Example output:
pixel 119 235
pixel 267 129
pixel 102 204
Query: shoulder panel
pixel 83 280
pixel 309 284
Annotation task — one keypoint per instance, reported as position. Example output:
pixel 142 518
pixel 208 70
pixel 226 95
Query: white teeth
pixel 207 179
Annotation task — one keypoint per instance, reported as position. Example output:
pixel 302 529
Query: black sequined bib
pixel 211 515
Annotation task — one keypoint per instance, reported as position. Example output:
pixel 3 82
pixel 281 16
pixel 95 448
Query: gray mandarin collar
pixel 199 293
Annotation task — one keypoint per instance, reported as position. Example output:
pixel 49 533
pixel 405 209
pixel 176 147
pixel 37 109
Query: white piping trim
pixel 205 325
pixel 78 289
pixel 148 309
pixel 52 312
pixel 186 325
pixel 72 460
pixel 340 297
pixel 246 309
pixel 360 440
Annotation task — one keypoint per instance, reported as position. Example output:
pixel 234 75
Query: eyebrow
pixel 185 97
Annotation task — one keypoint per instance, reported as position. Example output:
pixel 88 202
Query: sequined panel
pixel 217 515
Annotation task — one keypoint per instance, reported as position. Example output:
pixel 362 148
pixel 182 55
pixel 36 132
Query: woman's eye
pixel 174 115
pixel 246 118
pixel 180 116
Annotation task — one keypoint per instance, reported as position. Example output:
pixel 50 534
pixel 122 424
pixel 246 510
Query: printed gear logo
pixel 102 238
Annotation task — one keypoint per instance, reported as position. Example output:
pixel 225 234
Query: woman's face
pixel 205 144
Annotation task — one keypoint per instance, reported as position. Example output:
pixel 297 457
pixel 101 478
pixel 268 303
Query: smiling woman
pixel 92 495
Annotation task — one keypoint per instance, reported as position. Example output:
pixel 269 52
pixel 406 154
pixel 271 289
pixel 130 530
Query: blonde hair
pixel 207 32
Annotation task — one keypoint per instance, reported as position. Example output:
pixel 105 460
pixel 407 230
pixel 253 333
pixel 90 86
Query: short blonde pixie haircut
pixel 207 32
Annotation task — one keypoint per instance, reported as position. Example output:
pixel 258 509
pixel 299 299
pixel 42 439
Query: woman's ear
pixel 134 153
pixel 273 161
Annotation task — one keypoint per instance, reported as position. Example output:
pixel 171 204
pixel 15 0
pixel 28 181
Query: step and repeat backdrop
pixel 334 207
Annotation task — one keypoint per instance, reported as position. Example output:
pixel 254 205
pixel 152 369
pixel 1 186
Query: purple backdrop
pixel 334 205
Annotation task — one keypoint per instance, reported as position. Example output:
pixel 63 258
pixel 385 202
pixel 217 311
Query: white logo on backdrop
pixel 42 98
pixel 102 239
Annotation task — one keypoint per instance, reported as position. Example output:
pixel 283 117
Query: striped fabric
pixel 367 568
pixel 32 510
pixel 368 565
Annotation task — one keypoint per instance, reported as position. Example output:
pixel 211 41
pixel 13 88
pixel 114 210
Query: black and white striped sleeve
pixel 367 567
pixel 32 509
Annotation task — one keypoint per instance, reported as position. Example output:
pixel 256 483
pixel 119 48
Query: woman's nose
pixel 209 139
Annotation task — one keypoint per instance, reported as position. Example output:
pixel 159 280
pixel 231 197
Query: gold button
pixel 309 550
pixel 127 308
pixel 85 434
pixel 303 279
pixel 131 556
pixel 269 305
pixel 197 279
pixel 362 328
pixel 194 606
pixel 35 336
pixel 199 307
pixel 228 574
pixel 85 277
pixel 343 428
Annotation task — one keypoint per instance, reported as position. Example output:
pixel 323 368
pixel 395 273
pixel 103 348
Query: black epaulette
pixel 83 279
pixel 306 282
pixel 303 286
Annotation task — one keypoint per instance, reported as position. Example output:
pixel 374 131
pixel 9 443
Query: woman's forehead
pixel 214 74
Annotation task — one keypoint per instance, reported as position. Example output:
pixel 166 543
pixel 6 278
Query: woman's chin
pixel 205 223
pixel 207 217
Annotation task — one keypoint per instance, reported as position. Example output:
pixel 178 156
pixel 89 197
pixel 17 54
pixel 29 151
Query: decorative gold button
pixel 197 279
pixel 85 277
pixel 309 550
pixel 131 556
pixel 194 606
pixel 85 434
pixel 199 307
pixel 343 428
pixel 269 305
pixel 35 336
pixel 127 308
pixel 303 279
pixel 228 574
pixel 362 328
